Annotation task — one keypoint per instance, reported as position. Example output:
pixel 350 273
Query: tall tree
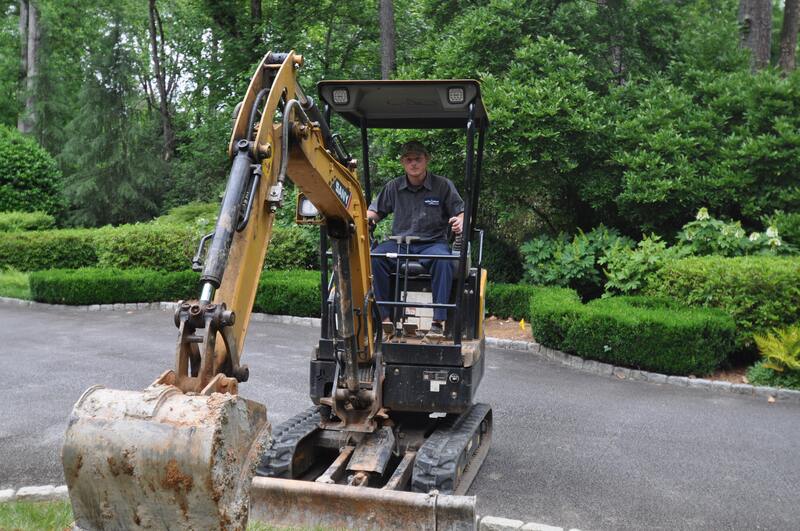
pixel 388 50
pixel 29 45
pixel 158 56
pixel 791 10
pixel 755 22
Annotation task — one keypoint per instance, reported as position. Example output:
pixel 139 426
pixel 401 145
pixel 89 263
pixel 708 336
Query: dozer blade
pixel 161 459
pixel 309 504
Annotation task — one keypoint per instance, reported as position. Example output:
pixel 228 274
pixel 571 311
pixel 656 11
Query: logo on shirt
pixel 432 202
pixel 342 192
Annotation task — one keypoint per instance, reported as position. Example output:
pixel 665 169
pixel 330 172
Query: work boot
pixel 435 334
pixel 388 330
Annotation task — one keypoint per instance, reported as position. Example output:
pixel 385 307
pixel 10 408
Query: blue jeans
pixel 441 272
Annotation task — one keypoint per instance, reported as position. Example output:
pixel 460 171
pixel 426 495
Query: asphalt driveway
pixel 570 448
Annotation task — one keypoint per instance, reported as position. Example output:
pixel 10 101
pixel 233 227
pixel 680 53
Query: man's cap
pixel 413 146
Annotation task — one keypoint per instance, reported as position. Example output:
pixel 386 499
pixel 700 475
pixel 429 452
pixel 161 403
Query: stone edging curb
pixel 576 362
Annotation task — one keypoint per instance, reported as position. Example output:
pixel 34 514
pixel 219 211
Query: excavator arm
pixel 181 453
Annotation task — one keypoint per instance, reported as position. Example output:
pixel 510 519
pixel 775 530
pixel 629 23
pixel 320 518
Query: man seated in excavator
pixel 424 205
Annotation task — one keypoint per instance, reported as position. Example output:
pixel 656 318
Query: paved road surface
pixel 570 449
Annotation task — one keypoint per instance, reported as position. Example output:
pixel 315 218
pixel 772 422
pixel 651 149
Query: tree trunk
pixel 161 82
pixel 255 10
pixel 755 22
pixel 29 44
pixel 789 36
pixel 616 38
pixel 388 53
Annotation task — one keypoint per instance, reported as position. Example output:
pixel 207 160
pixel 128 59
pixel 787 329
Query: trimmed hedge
pixel 289 293
pixel 508 300
pixel 552 311
pixel 759 292
pixel 279 292
pixel 161 246
pixel 33 251
pixel 648 333
pixel 107 286
pixel 22 221
pixel 635 332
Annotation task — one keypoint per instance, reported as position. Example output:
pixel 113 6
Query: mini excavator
pixel 394 437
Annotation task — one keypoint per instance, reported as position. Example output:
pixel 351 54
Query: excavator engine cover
pixel 162 459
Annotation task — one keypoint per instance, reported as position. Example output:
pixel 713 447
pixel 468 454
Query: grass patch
pixel 14 284
pixel 35 516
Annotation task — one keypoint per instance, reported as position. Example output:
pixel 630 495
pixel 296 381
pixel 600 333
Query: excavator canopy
pixel 402 104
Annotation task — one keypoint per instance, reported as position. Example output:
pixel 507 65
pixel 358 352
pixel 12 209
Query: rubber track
pixel 276 461
pixel 438 459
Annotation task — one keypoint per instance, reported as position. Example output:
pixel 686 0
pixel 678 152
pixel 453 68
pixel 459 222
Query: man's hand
pixel 457 223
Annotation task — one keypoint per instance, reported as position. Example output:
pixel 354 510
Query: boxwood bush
pixel 508 300
pixel 759 292
pixel 161 246
pixel 106 286
pixel 22 221
pixel 650 333
pixel 279 292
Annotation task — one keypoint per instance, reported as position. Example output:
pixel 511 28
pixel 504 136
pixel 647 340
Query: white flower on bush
pixel 702 214
pixel 754 236
pixel 772 232
pixel 774 242
pixel 739 233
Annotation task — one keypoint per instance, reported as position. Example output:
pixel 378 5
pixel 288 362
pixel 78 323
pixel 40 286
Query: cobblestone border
pixel 576 362
pixel 623 373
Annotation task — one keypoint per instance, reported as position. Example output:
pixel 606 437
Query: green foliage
pixel 289 293
pixel 31 251
pixel 195 213
pixel 652 335
pixel 146 245
pixel 14 284
pixel 552 311
pixel 760 374
pixel 787 224
pixel 576 263
pixel 706 236
pixel 508 300
pixel 34 516
pixel 759 292
pixel 293 247
pixel 501 259
pixel 22 221
pixel 629 270
pixel 28 175
pixel 781 349
pixel 108 286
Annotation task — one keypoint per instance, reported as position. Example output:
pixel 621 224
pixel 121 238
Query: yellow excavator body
pixel 181 454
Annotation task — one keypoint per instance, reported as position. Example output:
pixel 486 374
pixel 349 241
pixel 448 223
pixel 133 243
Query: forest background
pixel 633 114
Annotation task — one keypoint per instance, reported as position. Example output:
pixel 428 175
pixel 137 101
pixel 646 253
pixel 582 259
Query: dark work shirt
pixel 421 211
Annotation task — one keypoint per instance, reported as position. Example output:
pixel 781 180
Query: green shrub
pixel 708 236
pixel 652 334
pixel 628 270
pixel 107 286
pixel 572 263
pixel 14 284
pixel 508 300
pixel 29 176
pixel 146 245
pixel 759 292
pixel 552 311
pixel 293 247
pixel 289 293
pixel 32 251
pixel 759 374
pixel 190 213
pixel 501 259
pixel 22 221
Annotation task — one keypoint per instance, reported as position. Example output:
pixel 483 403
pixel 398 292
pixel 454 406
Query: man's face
pixel 415 165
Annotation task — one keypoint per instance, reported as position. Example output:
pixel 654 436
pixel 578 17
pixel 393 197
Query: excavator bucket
pixel 313 505
pixel 162 459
